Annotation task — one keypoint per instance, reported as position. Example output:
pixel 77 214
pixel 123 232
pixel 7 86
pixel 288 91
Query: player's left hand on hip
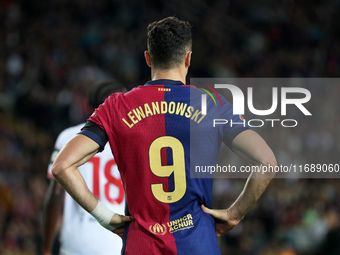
pixel 223 222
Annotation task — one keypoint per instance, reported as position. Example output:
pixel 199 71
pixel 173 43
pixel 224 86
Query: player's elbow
pixel 58 169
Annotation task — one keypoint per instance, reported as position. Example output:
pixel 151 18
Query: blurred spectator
pixel 331 244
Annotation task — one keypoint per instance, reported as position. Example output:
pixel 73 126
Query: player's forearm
pixel 253 189
pixel 72 181
pixel 252 148
pixel 51 214
pixel 75 153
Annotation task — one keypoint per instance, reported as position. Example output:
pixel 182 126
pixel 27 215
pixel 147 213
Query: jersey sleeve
pixel 97 126
pixel 97 134
pixel 235 125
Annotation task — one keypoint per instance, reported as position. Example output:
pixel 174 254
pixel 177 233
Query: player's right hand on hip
pixel 223 221
pixel 117 223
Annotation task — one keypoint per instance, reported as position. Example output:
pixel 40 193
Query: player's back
pixel 157 132
pixel 81 233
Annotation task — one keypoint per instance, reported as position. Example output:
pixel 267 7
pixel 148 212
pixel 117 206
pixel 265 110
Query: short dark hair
pixel 168 41
pixel 99 91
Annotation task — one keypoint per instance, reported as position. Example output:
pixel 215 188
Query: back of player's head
pixel 98 92
pixel 168 41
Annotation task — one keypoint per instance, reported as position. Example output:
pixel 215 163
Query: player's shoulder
pixel 120 97
pixel 211 93
pixel 137 90
pixel 113 99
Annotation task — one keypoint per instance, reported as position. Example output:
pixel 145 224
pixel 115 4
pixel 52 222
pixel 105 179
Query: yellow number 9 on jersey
pixel 178 168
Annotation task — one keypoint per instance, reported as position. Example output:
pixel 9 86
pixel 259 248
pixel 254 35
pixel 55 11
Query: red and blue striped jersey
pixel 158 135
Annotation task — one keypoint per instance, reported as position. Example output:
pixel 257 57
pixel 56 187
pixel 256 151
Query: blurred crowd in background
pixel 51 51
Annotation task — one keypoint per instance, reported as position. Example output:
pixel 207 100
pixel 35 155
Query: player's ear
pixel 187 59
pixel 147 58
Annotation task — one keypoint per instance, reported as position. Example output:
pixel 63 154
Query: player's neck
pixel 172 74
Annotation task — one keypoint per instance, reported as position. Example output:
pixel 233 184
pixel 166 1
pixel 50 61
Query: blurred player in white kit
pixel 80 233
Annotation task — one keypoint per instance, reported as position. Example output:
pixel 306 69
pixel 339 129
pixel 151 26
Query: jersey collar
pixel 164 82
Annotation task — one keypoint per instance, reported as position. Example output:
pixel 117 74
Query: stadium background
pixel 51 51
